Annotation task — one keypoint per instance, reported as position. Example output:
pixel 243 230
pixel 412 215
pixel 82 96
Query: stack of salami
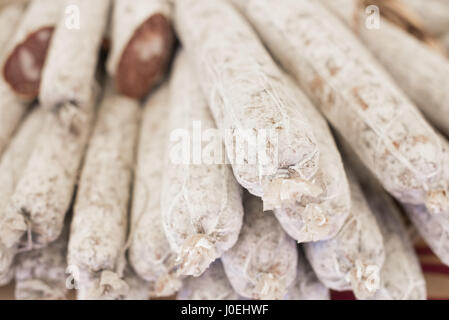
pixel 223 149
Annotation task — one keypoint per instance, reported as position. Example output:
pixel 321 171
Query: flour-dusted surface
pixel 40 273
pixel 354 257
pixel 321 215
pixel 69 75
pixel 99 225
pixel 263 263
pixel 150 253
pixel 105 285
pixel 9 19
pixel 142 40
pixel 357 96
pixel 11 109
pixel 434 231
pixel 247 96
pixel 11 113
pixel 401 275
pixel 213 284
pixel 12 165
pixel 201 202
pixel 422 75
pixel 128 17
pixel 8 276
pixel 27 50
pixel 44 193
pixel 110 286
pixel 16 156
pixel 38 14
pixel 138 289
pixel 307 286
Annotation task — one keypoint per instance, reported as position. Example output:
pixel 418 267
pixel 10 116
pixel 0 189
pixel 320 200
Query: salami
pixel 40 273
pixel 11 114
pixel 44 193
pixel 434 231
pixel 109 286
pixel 307 285
pixel 263 263
pixel 201 203
pixel 11 109
pixel 68 78
pixel 150 253
pixel 321 216
pixel 142 42
pixel 354 257
pixel 401 275
pixel 422 76
pixel 9 19
pixel 269 141
pixel 357 96
pixel 27 51
pixel 211 285
pixel 100 220
pixel 12 166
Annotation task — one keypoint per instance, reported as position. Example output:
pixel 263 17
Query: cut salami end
pixel 145 57
pixel 22 69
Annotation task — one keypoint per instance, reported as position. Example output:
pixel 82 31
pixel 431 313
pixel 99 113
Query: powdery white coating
pixel 201 203
pixel 69 71
pixel 9 19
pixel 38 15
pixel 263 263
pixel 11 110
pixel 213 284
pixel 150 253
pixel 11 113
pixel 17 154
pixel 307 285
pixel 434 14
pixel 138 289
pixel 247 95
pixel 44 193
pixel 109 285
pixel 127 18
pixel 6 278
pixel 423 75
pixel 40 273
pixel 357 96
pixel 354 257
pixel 434 231
pixel 99 225
pixel 12 165
pixel 318 217
pixel 401 275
